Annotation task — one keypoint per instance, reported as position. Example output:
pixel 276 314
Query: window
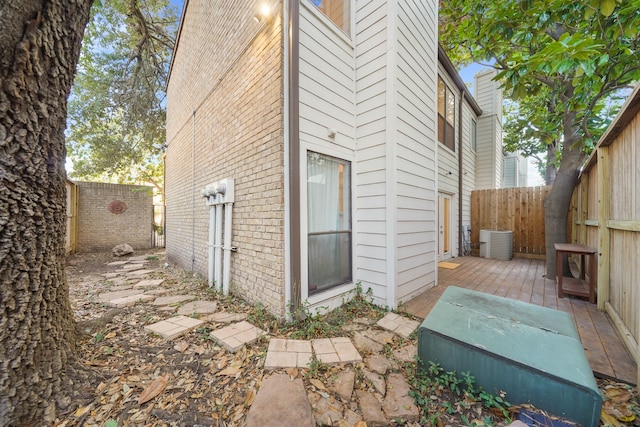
pixel 339 11
pixel 474 133
pixel 329 221
pixel 446 115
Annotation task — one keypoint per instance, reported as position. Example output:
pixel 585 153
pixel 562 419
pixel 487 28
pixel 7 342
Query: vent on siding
pixel 496 244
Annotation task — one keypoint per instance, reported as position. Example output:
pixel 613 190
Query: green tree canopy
pixel 116 126
pixel 561 60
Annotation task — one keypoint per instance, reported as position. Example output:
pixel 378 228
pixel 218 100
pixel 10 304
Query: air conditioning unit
pixel 496 244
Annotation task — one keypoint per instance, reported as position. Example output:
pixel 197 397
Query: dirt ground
pixel 205 385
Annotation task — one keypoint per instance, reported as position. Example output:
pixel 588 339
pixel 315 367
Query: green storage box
pixel 530 352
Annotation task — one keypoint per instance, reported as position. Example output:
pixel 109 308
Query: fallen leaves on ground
pixel 618 404
pixel 140 379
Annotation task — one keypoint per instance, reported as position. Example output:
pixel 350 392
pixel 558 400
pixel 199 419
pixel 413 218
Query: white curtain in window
pixel 323 180
pixel 329 250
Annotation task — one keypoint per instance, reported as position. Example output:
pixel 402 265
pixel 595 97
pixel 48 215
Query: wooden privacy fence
pixel 519 209
pixel 606 216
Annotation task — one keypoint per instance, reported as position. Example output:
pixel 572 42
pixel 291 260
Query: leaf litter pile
pixel 137 378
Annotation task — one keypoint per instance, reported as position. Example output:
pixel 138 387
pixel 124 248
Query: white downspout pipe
pixel 212 236
pixel 218 245
pixel 228 214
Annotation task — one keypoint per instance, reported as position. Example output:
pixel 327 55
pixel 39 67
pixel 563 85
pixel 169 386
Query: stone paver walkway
pixel 198 307
pixel 283 400
pixel 148 283
pixel 174 327
pixel 130 300
pixel 173 299
pixel 398 324
pixel 235 336
pixel 284 353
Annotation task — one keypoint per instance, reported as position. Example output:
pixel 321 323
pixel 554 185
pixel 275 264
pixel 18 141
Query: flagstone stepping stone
pixel 379 364
pixel 377 380
pixel 131 267
pixel 235 336
pixel 120 288
pixel 130 300
pixel 138 258
pixel 283 353
pixel 139 273
pixel 110 275
pixel 281 402
pixel 138 261
pixel 225 317
pixel 198 307
pixel 343 384
pixel 114 263
pixel 398 324
pixel 371 409
pixel 335 350
pixel 108 296
pixel 397 404
pixel 156 292
pixel 382 337
pixel 366 344
pixel 149 283
pixel 173 299
pixel 326 413
pixel 407 353
pixel 174 326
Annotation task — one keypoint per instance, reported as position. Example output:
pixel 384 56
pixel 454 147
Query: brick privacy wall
pixel 101 230
pixel 237 120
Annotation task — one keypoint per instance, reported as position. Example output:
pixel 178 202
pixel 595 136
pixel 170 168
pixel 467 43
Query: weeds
pixel 315 367
pixel 307 325
pixel 460 391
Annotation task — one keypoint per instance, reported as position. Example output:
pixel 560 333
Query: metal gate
pixel 158 226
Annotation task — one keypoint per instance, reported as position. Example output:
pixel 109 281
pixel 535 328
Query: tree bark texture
pixel 39 48
pixel 556 206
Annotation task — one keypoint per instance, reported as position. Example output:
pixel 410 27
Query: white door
pixel 444 226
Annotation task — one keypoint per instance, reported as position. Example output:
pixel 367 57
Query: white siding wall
pixel 327 101
pixel 448 165
pixel 370 204
pixel 379 90
pixel 468 166
pixel 415 141
pixel 489 160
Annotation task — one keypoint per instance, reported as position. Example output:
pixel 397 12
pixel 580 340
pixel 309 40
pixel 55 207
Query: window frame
pixel 314 295
pixel 346 28
pixel 446 129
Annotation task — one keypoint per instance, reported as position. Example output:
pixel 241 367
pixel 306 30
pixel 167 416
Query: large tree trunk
pixel 556 206
pixel 551 169
pixel 39 48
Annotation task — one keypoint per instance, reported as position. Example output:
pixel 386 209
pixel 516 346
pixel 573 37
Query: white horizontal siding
pixel 415 140
pixel 371 131
pixel 486 174
pixel 468 164
pixel 327 97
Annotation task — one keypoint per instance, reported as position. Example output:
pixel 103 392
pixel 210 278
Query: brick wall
pixel 100 230
pixel 225 120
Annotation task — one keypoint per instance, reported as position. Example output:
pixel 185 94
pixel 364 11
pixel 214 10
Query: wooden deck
pixel 523 280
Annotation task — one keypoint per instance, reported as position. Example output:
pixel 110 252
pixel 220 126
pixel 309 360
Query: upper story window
pixel 339 11
pixel 446 115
